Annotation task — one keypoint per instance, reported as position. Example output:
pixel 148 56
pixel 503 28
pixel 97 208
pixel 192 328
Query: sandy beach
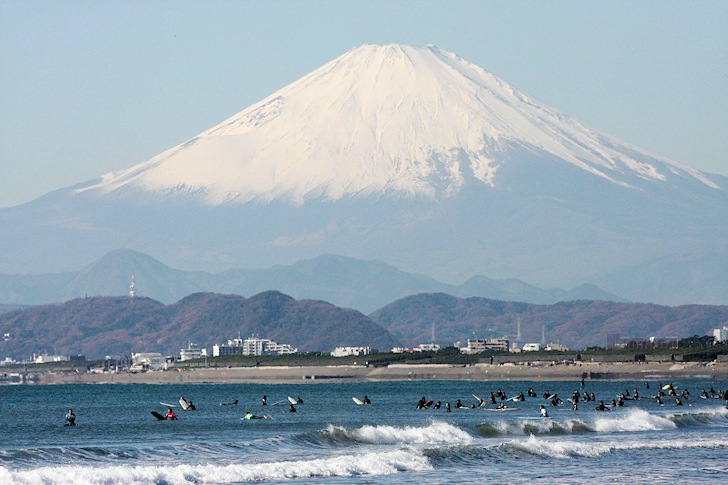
pixel 473 372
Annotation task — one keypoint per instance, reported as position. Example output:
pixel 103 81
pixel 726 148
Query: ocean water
pixel 331 439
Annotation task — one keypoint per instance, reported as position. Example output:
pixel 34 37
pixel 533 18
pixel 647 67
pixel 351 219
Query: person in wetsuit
pixel 170 415
pixel 70 418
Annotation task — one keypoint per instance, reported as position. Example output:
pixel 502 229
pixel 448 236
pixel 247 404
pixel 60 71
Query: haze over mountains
pixel 407 155
pixel 346 282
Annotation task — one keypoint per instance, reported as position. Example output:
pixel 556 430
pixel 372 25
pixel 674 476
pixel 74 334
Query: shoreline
pixel 398 372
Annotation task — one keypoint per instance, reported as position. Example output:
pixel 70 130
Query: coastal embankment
pixel 466 372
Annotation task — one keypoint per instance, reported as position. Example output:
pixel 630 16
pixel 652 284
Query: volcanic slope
pixel 407 155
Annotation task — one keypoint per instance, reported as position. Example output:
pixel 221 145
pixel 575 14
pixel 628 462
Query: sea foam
pixel 349 465
pixel 435 433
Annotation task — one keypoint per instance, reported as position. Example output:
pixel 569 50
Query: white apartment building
pixel 347 351
pixel 478 345
pixel 252 346
pixel 721 334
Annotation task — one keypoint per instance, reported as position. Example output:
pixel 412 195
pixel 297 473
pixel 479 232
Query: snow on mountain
pixel 397 120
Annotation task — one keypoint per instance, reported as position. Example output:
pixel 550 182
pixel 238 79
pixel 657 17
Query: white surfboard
pixel 291 400
pixel 168 404
pixel 357 400
pixel 182 402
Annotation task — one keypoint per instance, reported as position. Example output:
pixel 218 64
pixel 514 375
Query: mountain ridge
pixel 99 326
pixel 343 281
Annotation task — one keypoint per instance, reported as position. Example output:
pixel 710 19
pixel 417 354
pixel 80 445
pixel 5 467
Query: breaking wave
pixel 350 465
pixel 433 434
pixel 630 421
pixel 572 449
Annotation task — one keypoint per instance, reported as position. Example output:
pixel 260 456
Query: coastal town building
pixel 252 346
pixel 192 352
pixel 531 347
pixel 347 351
pixel 552 347
pixel 478 345
pixel 45 358
pixel 143 361
pixel 720 334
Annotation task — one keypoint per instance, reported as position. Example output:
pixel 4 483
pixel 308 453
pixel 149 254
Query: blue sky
pixel 87 87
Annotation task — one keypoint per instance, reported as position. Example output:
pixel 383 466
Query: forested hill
pixel 576 324
pixel 100 326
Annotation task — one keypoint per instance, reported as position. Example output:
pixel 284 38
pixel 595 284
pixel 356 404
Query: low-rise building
pixel 252 346
pixel 427 348
pixel 45 358
pixel 552 347
pixel 347 351
pixel 147 361
pixel 532 347
pixel 478 345
pixel 192 352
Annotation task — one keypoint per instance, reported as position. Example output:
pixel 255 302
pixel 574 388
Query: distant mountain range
pixel 409 155
pixel 343 281
pixel 576 324
pixel 99 326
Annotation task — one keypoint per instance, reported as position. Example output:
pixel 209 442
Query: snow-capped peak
pixel 391 119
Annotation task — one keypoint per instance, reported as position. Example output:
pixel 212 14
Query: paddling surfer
pixel 70 418
pixel 170 415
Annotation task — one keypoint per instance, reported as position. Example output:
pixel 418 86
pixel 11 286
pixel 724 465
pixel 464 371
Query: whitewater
pixel 330 438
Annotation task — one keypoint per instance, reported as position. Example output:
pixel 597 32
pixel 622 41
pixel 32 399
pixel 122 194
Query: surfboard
pixel 357 400
pixel 278 402
pixel 291 400
pixel 168 404
pixel 500 409
pixel 182 402
pixel 428 404
pixel 265 416
pixel 158 416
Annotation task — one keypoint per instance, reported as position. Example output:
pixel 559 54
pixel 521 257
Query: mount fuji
pixel 408 155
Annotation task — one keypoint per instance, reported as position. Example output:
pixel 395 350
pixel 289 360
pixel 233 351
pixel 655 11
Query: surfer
pixel 602 407
pixel 502 405
pixel 544 413
pixel 458 404
pixel 70 418
pixel 447 405
pixel 421 403
pixel 249 415
pixel 678 402
pixel 291 409
pixel 437 405
pixel 235 402
pixel 264 401
pixel 170 415
pixel 299 400
pixel 366 400
pixel 531 392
